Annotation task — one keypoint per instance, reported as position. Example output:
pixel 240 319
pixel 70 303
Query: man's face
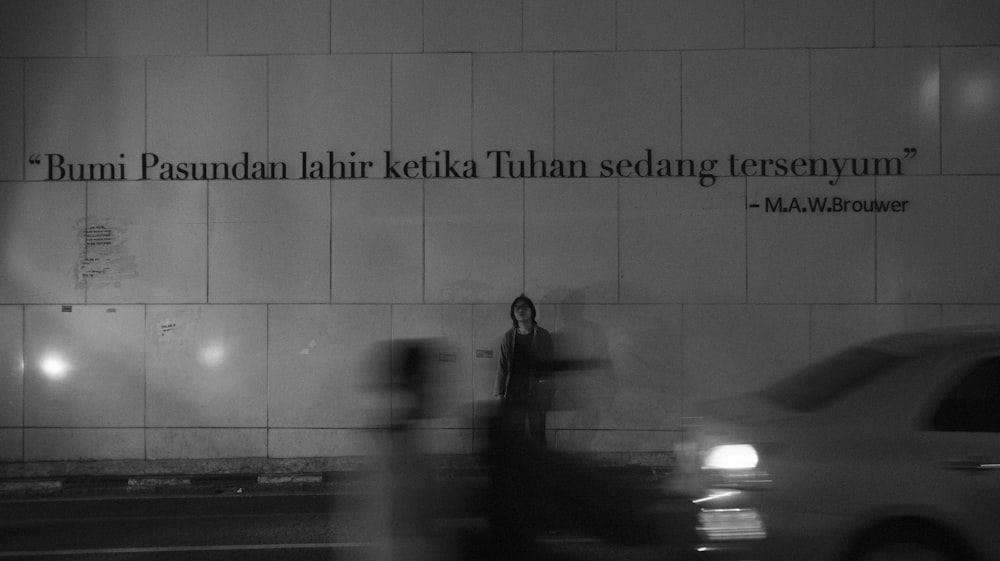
pixel 522 311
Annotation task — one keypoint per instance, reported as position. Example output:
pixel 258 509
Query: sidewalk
pixel 258 475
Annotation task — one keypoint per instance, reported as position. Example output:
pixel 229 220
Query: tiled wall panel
pixel 474 240
pixel 269 241
pixel 205 109
pixel 376 26
pixel 472 25
pixel 83 444
pixel 146 27
pixel 268 26
pixel 206 366
pixel 614 105
pixel 970 110
pixel 745 103
pixel 12 119
pixel 43 238
pixel 82 111
pixel 11 366
pixel 377 241
pixel 818 23
pixel 681 242
pixel 876 103
pixel 201 443
pixel 431 106
pixel 735 349
pixel 43 29
pixel 680 24
pixel 83 366
pixel 569 25
pixel 150 242
pixel 936 252
pixel 512 108
pixel 796 257
pixel 306 102
pixel 324 369
pixel 571 240
pixel 908 23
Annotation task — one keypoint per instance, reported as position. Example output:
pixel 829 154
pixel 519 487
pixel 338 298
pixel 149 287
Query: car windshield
pixel 829 379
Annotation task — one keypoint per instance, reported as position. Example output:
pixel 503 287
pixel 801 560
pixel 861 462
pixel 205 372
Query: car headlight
pixel 731 457
pixel 733 466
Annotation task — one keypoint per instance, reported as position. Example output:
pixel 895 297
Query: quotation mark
pixel 35 159
pixel 909 153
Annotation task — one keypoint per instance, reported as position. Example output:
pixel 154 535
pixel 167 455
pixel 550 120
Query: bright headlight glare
pixel 731 456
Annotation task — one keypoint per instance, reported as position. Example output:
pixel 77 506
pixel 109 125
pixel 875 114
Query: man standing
pixel 524 378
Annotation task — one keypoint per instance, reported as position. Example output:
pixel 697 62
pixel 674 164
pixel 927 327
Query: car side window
pixel 973 404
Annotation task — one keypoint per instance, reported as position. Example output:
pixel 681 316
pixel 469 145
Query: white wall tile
pixel 634 379
pixel 836 327
pixel 614 105
pixel 431 105
pixel 11 445
pixel 473 240
pixel 146 27
pixel 339 103
pixel 971 314
pixel 307 443
pixel 206 109
pixel 39 29
pixel 936 22
pixel 803 257
pixel 571 240
pixel 12 157
pixel 681 242
pixel 11 366
pixel 206 366
pixel 269 241
pixel 512 106
pixel 377 252
pixel 936 251
pixel 817 23
pixel 199 443
pixel 569 25
pixel 83 366
pixel 680 24
pixel 376 26
pixel 321 370
pixel 970 110
pixel 734 349
pixel 42 227
pixel 876 102
pixel 88 111
pixel 157 249
pixel 752 103
pixel 69 444
pixel 268 26
pixel 472 25
pixel 448 330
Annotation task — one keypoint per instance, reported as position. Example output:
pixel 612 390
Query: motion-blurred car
pixel 887 451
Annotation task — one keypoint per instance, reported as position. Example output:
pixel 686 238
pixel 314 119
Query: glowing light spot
pixel 731 456
pixel 213 355
pixel 54 366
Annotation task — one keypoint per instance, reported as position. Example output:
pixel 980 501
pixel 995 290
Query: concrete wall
pixel 170 318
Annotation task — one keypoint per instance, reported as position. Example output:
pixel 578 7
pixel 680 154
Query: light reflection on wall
pixel 54 366
pixel 979 93
pixel 213 355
